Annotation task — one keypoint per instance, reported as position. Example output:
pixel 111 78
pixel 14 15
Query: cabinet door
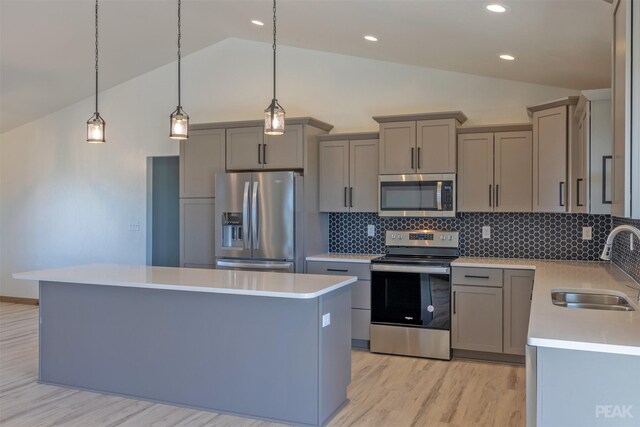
pixel 284 151
pixel 201 157
pixel 477 318
pixel 360 322
pixel 334 176
pixel 550 160
pixel 244 148
pixel 475 177
pixel 599 137
pixel 363 175
pixel 197 242
pixel 397 147
pixel 513 173
pixel 518 286
pixel 436 146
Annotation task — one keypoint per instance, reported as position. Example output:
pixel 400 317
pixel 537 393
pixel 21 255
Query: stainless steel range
pixel 411 294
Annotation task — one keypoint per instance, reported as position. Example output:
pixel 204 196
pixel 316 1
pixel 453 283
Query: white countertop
pixel 357 258
pixel 575 329
pixel 255 283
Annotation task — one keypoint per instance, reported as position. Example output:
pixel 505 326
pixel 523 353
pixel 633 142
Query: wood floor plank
pixel 385 391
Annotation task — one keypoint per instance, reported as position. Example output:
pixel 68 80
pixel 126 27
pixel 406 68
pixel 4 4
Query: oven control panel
pixel 424 238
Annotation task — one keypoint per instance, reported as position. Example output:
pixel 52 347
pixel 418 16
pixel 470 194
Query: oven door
pixel 411 299
pixel 417 195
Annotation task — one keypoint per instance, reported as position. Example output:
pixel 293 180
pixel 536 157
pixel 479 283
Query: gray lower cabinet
pixel 477 318
pixel 202 156
pixel 197 244
pixel 518 286
pixel 360 294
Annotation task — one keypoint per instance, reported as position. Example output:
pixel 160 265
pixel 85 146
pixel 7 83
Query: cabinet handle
pixel 264 154
pixel 604 179
pixel 259 148
pixel 490 192
pixel 351 197
pixel 338 270
pixel 419 158
pixel 412 158
pixel 561 196
pixel 345 197
pixel 578 181
pixel 497 193
pixel 454 302
pixel 470 276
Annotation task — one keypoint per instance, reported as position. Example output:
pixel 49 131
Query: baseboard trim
pixel 20 300
pixel 488 357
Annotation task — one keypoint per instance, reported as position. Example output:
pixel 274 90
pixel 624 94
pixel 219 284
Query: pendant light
pixel 96 125
pixel 179 119
pixel 274 114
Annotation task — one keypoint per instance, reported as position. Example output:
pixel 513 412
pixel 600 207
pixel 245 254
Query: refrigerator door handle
pixel 245 214
pixel 255 217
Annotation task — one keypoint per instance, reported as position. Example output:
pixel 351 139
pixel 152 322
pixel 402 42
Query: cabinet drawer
pixel 360 322
pixel 361 294
pixel 477 276
pixel 360 270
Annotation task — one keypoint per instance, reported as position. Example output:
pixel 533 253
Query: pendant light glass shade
pixel 274 114
pixel 96 124
pixel 274 119
pixel 95 129
pixel 179 119
pixel 179 124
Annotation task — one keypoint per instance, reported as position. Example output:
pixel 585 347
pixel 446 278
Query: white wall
pixel 65 202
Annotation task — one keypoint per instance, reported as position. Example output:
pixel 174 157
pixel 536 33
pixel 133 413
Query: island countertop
pixel 575 329
pixel 252 283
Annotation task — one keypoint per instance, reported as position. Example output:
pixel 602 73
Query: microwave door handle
pixel 439 195
pixel 255 217
pixel 245 214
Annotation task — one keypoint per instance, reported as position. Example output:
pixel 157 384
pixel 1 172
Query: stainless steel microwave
pixel 417 195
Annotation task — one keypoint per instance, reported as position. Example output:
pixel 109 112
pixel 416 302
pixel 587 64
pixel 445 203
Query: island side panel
pixel 255 356
pixel 335 351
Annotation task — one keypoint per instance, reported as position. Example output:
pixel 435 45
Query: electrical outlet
pixel 326 320
pixel 486 232
pixel 371 230
pixel 587 233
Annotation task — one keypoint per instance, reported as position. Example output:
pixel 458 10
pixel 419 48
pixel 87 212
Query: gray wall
pixel 165 212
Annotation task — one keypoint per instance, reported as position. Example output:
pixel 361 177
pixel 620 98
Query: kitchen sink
pixel 591 301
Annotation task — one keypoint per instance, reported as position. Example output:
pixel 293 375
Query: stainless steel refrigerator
pixel 256 221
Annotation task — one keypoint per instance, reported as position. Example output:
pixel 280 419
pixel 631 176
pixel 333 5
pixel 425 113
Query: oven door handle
pixel 394 268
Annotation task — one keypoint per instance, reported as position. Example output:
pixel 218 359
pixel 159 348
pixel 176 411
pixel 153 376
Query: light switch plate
pixel 371 230
pixel 326 320
pixel 587 233
pixel 486 232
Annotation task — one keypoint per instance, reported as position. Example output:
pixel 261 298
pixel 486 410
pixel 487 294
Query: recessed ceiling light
pixel 507 57
pixel 258 23
pixel 371 38
pixel 497 8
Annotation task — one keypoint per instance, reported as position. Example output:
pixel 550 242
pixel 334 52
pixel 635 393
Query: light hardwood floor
pixel 385 391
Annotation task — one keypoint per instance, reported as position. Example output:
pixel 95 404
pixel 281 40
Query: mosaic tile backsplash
pixel 513 235
pixel 626 259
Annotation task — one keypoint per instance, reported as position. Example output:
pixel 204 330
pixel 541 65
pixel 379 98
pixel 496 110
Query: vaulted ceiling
pixel 46 46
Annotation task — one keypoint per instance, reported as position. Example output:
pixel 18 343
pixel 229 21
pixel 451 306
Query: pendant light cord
pixel 179 56
pixel 274 51
pixel 96 56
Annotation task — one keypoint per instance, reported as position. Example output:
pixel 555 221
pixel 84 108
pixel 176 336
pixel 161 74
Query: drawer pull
pixel 337 269
pixel 470 276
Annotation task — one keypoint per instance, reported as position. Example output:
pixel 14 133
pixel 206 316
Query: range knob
pixel 450 237
pixel 400 236
pixel 393 236
pixel 441 237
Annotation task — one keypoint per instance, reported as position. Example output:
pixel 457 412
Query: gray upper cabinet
pixel 419 143
pixel 197 240
pixel 495 169
pixel 201 157
pixel 249 149
pixel 244 148
pixel 348 173
pixel 518 287
pixel 553 133
pixel 626 104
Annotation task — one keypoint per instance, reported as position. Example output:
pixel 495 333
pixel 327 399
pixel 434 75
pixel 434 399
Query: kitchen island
pixel 273 346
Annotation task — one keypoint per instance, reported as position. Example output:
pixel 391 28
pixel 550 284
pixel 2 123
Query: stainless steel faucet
pixel 606 252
